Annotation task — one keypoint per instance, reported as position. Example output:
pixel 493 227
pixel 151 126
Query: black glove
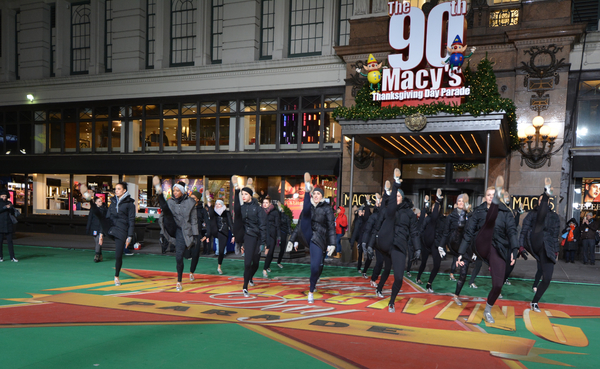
pixel 416 256
pixel 524 254
pixel 364 247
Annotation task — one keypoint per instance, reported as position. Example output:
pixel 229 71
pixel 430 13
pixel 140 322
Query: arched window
pixel 183 33
pixel 80 38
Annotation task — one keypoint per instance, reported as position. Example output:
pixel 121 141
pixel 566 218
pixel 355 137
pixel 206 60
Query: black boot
pixel 96 257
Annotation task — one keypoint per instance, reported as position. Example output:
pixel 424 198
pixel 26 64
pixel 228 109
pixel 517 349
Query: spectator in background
pixel 6 225
pixel 341 224
pixel 573 234
pixel 588 238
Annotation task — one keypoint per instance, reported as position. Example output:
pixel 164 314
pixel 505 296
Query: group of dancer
pixel 487 234
pixel 391 232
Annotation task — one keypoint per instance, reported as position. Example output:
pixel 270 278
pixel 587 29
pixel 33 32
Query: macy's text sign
pixel 418 39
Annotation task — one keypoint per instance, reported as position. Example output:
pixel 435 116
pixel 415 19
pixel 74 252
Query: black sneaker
pixel 127 252
pixel 1 260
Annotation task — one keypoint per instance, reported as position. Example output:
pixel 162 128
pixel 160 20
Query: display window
pixel 294 191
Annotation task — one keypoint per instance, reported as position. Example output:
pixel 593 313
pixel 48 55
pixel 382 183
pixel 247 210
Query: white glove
pixel 442 252
pixel 474 257
pixel 330 250
pixel 87 196
pixel 289 247
pixel 158 189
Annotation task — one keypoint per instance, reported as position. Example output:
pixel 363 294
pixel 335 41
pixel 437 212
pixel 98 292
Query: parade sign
pixel 427 67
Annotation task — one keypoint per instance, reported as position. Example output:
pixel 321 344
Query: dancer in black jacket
pixel 94 227
pixel 285 230
pixel 493 230
pixel 253 220
pixel 368 233
pixel 318 228
pixel 6 225
pixel 404 228
pixel 273 237
pixel 220 225
pixel 119 223
pixel 428 234
pixel 453 235
pixel 539 236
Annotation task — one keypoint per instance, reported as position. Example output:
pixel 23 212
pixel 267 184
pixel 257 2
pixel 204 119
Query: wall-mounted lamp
pixel 30 97
pixel 537 142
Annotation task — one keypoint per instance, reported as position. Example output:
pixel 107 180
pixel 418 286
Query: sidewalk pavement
pixel 524 269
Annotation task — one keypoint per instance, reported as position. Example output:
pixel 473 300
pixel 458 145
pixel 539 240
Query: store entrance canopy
pixel 445 137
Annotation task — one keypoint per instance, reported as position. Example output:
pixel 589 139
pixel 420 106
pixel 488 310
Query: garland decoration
pixel 483 99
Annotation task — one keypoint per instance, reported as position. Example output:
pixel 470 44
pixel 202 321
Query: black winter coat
pixel 121 217
pixel 323 225
pixel 273 223
pixel 406 228
pixel 219 223
pixel 551 233
pixel 284 223
pixel 255 221
pixel 454 230
pixel 205 228
pixel 359 223
pixel 369 227
pixel 93 223
pixel 6 225
pixel 504 238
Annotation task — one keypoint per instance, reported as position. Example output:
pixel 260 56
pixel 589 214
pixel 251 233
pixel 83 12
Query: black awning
pixel 586 166
pixel 261 164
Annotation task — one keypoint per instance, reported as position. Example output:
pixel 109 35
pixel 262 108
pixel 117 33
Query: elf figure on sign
pixel 373 74
pixel 457 51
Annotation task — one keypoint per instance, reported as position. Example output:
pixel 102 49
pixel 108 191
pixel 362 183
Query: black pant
pixel 317 255
pixel 222 246
pixel 437 261
pixel 360 256
pixel 251 258
pixel 207 245
pixel 282 246
pixel 398 263
pixel 538 275
pixel 547 269
pixel 367 263
pixel 463 274
pixel 378 265
pixel 453 266
pixel 179 250
pixel 119 248
pixel 195 252
pixel 485 248
pixel 570 255
pixel 269 257
pixel 386 262
pixel 9 242
pixel 409 260
pixel 589 250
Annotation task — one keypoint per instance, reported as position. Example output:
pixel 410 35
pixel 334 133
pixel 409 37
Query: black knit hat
pixel 4 191
pixel 248 190
pixel 319 189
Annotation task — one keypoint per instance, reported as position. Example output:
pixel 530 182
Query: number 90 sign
pixel 415 40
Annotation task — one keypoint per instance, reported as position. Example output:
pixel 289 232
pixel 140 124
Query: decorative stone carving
pixel 361 7
pixel 416 122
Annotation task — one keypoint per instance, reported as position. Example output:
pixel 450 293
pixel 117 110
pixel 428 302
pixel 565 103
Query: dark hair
pixel 181 183
pixel 267 198
pixel 123 184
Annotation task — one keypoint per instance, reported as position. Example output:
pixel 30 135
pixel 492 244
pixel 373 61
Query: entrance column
pixel 351 191
pixel 487 162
